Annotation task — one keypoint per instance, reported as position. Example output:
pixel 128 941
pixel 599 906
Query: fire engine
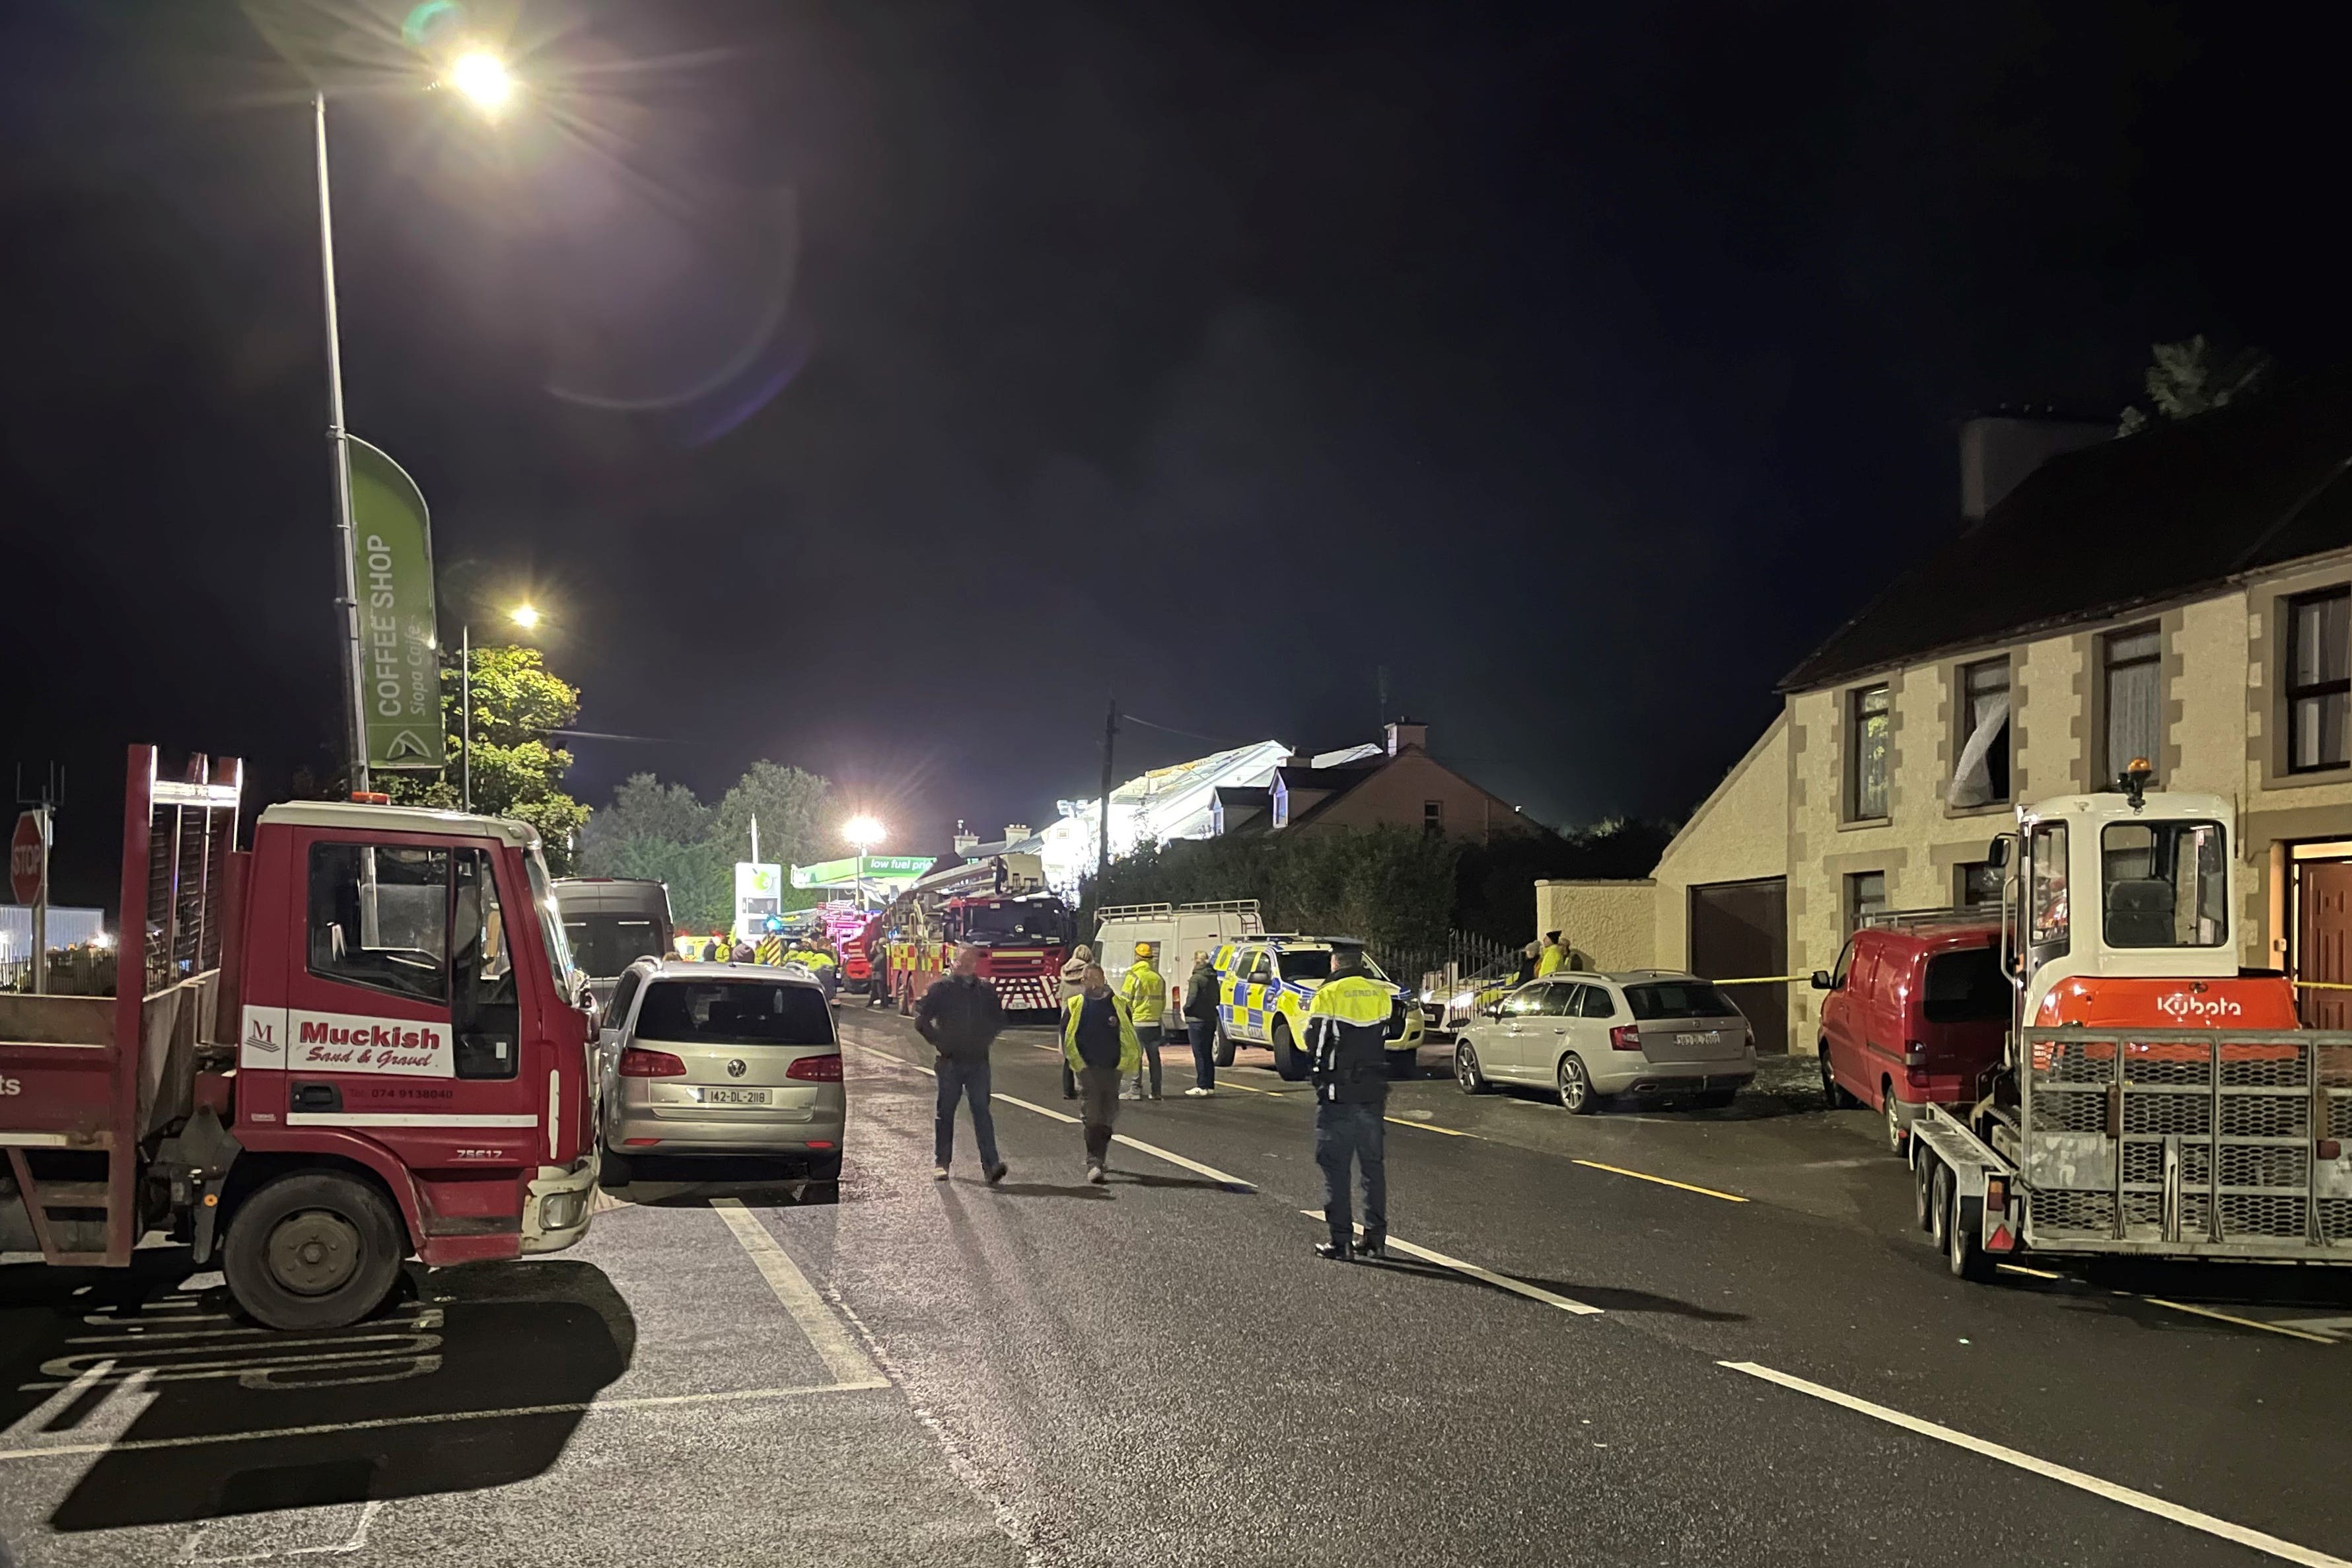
pixel 2155 1099
pixel 998 905
pixel 359 1040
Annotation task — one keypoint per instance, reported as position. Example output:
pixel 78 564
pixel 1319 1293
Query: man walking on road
pixel 1346 1046
pixel 961 1018
pixel 1099 1044
pixel 1146 994
pixel 1074 980
pixel 1200 1025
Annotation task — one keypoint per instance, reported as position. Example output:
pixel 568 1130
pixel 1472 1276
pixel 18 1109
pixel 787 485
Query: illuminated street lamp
pixel 525 616
pixel 482 79
pixel 864 832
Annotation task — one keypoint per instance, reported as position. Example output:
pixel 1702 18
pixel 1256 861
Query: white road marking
pixel 843 1356
pixel 1194 1166
pixel 2287 1551
pixel 893 1057
pixel 1501 1281
pixel 1030 1105
pixel 442 1417
pixel 357 1542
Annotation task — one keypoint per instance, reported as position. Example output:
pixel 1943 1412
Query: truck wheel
pixel 1939 1206
pixel 1287 1060
pixel 313 1249
pixel 1964 1250
pixel 1923 1197
pixel 1223 1057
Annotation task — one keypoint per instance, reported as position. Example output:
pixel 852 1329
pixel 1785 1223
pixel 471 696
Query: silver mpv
pixel 722 1058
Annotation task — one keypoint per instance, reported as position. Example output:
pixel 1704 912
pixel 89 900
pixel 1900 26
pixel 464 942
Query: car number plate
pixel 734 1096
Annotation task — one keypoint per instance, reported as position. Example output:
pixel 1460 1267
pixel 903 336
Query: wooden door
pixel 2323 922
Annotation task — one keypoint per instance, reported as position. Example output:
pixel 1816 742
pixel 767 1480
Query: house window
pixel 2318 680
pixel 2131 671
pixel 1869 730
pixel 1865 895
pixel 1982 775
pixel 1281 804
pixel 1975 885
pixel 1432 816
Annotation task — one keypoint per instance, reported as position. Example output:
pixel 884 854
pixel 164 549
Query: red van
pixel 1915 1013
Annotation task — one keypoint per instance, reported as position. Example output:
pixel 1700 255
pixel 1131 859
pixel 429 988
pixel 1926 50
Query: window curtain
pixel 1972 779
pixel 2134 713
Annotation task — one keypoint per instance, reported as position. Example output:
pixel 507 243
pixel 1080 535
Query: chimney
pixel 965 842
pixel 1014 832
pixel 1408 735
pixel 1998 451
pixel 1298 760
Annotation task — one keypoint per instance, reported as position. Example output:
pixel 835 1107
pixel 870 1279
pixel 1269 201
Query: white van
pixel 1178 931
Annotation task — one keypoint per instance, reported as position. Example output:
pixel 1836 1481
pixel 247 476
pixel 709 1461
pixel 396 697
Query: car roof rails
pixel 1928 919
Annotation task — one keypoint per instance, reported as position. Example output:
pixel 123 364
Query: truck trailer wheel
pixel 1923 1197
pixel 1941 1205
pixel 313 1249
pixel 1964 1239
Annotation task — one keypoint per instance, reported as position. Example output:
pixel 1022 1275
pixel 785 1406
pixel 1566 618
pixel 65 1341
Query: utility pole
pixel 465 720
pixel 1382 677
pixel 42 813
pixel 347 604
pixel 1102 838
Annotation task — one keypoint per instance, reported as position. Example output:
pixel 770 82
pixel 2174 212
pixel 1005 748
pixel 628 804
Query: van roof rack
pixel 1930 918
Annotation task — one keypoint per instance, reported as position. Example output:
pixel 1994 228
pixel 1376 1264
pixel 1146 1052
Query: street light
pixel 482 79
pixel 525 616
pixel 864 832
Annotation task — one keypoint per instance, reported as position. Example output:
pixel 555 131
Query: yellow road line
pixel 2241 1322
pixel 2036 1273
pixel 1429 1127
pixel 1661 1181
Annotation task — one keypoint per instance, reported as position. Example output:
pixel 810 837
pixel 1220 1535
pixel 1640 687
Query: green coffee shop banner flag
pixel 400 662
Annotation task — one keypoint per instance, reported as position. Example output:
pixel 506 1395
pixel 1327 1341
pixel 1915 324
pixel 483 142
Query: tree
pixel 662 832
pixel 790 805
pixel 2183 382
pixel 517 701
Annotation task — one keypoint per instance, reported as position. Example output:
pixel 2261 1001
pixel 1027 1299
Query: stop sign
pixel 25 858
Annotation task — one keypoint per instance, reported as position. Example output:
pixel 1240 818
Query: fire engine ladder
pixel 177 837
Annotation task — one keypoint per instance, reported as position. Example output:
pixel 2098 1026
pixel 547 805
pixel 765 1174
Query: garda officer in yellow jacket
pixel 1100 1045
pixel 1145 993
pixel 1347 1046
pixel 1555 955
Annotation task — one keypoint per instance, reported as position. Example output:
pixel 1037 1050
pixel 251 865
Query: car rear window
pixel 734 1013
pixel 1966 987
pixel 1678 999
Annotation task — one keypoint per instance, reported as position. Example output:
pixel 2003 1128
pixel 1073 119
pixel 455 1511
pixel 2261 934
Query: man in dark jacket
pixel 961 1018
pixel 1347 1045
pixel 1200 1025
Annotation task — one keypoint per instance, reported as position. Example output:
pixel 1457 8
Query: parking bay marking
pixel 441 1417
pixel 842 1355
pixel 1484 1276
pixel 2287 1550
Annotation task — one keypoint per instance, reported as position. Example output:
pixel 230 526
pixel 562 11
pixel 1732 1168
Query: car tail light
pixel 635 1063
pixel 820 1142
pixel 816 1069
pixel 1625 1037
pixel 638 1142
pixel 1915 1053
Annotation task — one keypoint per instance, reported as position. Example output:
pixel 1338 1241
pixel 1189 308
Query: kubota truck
pixel 358 1040
pixel 2156 1099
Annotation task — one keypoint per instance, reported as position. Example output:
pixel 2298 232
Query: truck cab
pixel 360 1040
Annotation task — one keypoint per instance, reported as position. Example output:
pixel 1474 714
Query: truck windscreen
pixel 1041 920
pixel 603 945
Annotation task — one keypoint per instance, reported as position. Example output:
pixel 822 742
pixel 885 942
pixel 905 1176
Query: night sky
pixel 881 387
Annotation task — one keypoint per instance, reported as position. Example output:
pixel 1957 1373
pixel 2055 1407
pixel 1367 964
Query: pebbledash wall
pixel 1783 811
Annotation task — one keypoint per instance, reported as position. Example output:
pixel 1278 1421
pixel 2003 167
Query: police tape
pixel 1762 980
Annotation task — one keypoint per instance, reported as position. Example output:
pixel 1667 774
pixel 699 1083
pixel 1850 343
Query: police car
pixel 1265 986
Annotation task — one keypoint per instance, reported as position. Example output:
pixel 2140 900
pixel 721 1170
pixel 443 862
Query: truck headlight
pixel 561 1211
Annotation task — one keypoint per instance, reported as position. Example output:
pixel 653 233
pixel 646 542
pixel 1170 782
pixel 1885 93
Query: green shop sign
pixel 400 659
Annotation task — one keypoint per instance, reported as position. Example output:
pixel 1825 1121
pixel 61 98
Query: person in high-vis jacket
pixel 1147 1002
pixel 1074 980
pixel 1098 1045
pixel 770 949
pixel 1555 955
pixel 1347 1048
pixel 812 955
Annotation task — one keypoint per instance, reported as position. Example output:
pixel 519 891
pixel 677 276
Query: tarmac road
pixel 1604 1368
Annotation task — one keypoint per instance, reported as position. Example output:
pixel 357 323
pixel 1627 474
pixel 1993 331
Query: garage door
pixel 1740 929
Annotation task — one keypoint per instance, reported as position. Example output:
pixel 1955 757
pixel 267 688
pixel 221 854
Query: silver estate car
pixel 722 1058
pixel 1586 1037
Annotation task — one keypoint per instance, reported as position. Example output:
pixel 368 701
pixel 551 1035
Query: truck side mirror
pixel 1821 978
pixel 1997 852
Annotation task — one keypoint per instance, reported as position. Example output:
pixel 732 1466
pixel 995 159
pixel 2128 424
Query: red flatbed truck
pixel 359 1040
